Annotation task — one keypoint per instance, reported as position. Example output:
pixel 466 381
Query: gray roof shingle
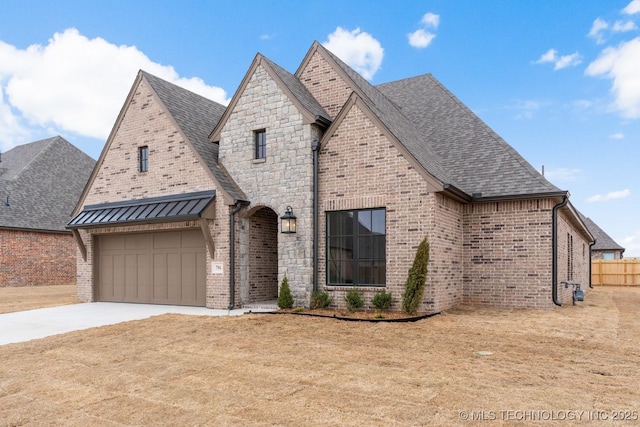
pixel 43 181
pixel 477 159
pixel 603 240
pixel 196 116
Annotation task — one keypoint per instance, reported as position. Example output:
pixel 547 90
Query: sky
pixel 558 80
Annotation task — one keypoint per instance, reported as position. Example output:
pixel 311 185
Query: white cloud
pixel 562 174
pixel 560 62
pixel 422 38
pixel 631 244
pixel 598 26
pixel 76 84
pixel 358 49
pixel 633 7
pixel 621 194
pixel 623 27
pixel 617 136
pixel 622 65
pixel 431 20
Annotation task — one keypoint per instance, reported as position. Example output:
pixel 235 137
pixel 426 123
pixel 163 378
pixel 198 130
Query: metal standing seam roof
pixel 166 208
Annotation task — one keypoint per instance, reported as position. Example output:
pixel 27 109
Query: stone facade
pixel 31 258
pixel 283 178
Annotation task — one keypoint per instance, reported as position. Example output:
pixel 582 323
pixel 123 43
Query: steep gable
pixel 296 92
pixel 174 124
pixel 41 184
pixel 324 72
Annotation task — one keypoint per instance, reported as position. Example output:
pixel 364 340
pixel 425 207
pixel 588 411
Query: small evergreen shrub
pixel 285 299
pixel 414 290
pixel 354 301
pixel 379 316
pixel 382 300
pixel 320 300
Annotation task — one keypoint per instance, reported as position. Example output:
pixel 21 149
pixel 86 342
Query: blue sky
pixel 558 80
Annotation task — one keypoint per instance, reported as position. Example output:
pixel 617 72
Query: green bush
pixel 285 299
pixel 354 301
pixel 320 299
pixel 414 290
pixel 382 300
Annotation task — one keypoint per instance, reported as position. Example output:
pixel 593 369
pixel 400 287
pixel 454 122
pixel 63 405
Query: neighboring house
pixel 189 200
pixel 605 247
pixel 40 183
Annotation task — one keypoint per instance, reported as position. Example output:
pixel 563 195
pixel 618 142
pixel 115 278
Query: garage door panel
pixel 153 268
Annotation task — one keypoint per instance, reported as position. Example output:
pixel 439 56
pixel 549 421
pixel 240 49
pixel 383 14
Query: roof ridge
pixel 46 142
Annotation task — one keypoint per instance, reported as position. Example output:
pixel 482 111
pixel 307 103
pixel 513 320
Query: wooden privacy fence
pixel 625 272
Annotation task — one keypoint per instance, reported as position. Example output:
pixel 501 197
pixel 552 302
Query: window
pixel 260 137
pixel 569 256
pixel 356 247
pixel 608 256
pixel 143 157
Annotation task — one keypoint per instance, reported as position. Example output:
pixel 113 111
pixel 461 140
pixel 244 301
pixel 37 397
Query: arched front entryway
pixel 263 256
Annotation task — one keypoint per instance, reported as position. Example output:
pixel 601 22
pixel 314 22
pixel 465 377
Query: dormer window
pixel 260 141
pixel 143 159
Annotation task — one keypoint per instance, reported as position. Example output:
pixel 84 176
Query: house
pixel 605 247
pixel 192 203
pixel 40 183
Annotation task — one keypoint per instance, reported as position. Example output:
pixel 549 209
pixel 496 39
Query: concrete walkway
pixel 43 322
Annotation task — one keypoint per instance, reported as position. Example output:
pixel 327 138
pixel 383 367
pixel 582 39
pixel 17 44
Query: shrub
pixel 414 290
pixel 285 299
pixel 382 300
pixel 320 299
pixel 353 298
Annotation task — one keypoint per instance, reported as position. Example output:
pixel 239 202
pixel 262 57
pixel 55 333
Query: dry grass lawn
pixel 27 298
pixel 298 370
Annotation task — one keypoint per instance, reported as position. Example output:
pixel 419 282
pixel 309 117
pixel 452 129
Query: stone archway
pixel 263 255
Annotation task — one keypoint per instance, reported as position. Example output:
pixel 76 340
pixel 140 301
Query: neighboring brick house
pixel 40 183
pixel 605 247
pixel 188 199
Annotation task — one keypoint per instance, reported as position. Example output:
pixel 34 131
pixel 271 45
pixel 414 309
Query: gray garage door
pixel 157 268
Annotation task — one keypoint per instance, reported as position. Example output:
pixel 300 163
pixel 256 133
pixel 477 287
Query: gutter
pixel 554 250
pixel 315 147
pixel 232 251
pixel 590 263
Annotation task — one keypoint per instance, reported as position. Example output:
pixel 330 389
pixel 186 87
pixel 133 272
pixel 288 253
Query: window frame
pixel 361 246
pixel 143 158
pixel 260 144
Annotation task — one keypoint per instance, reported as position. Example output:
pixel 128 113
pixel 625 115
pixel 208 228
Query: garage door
pixel 156 268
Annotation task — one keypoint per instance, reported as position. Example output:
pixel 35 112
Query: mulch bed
pixel 358 315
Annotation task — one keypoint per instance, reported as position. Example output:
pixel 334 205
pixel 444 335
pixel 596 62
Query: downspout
pixel 315 147
pixel 232 252
pixel 590 263
pixel 554 250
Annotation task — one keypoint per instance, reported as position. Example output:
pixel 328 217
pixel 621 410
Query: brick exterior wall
pixel 263 253
pixel 507 257
pixel 30 258
pixel 325 84
pixel 284 178
pixel 599 254
pixel 174 168
pixel 361 169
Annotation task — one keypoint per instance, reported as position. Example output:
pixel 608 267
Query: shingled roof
pixel 196 116
pixel 603 240
pixel 40 184
pixel 477 159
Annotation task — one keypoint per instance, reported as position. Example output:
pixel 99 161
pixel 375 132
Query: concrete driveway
pixel 43 322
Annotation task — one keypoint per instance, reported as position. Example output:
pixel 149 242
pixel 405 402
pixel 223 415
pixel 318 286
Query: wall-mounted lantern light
pixel 288 221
